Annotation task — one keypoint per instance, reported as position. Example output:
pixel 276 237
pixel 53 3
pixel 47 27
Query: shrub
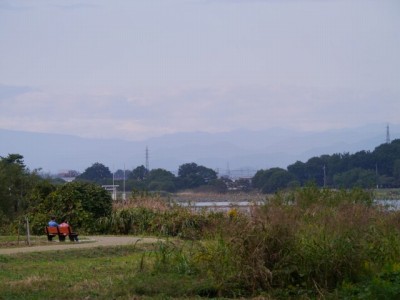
pixel 80 203
pixel 309 247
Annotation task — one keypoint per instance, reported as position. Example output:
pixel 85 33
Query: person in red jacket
pixel 64 223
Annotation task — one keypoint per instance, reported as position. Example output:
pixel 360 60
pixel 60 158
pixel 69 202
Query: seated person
pixel 73 234
pixel 52 222
pixel 64 223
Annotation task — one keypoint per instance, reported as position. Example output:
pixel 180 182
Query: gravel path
pixel 90 242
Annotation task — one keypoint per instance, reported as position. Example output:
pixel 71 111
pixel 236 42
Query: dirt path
pixel 90 242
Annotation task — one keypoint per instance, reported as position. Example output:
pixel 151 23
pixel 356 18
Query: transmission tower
pixel 147 159
pixel 387 135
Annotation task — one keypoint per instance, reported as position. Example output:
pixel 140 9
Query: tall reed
pixel 306 242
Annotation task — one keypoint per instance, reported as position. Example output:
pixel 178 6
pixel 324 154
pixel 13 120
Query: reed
pixel 306 243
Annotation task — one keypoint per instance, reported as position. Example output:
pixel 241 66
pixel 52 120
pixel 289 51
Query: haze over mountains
pixel 239 150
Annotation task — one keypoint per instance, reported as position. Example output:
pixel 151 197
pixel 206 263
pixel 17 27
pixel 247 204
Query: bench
pixel 61 232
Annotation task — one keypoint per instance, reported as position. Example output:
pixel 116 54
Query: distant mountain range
pixel 235 151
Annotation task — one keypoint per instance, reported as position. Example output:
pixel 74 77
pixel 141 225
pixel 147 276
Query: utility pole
pixel 387 135
pixel 124 194
pixel 147 159
pixel 28 234
pixel 114 191
pixel 324 175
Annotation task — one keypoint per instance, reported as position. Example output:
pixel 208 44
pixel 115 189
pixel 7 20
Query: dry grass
pixel 86 284
pixel 149 202
pixel 30 282
pixel 191 197
pixel 12 241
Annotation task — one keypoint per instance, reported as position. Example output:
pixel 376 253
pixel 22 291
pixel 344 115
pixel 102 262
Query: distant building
pixel 68 175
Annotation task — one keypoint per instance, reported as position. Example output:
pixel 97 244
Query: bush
pixel 176 221
pixel 384 285
pixel 78 202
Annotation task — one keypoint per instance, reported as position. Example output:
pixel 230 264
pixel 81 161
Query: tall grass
pixel 305 243
pixel 153 215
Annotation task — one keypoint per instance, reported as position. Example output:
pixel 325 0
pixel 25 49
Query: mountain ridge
pixel 237 149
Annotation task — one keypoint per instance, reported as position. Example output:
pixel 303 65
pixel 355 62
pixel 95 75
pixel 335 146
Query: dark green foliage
pixel 96 173
pixel 272 180
pixel 191 175
pixel 364 168
pixel 80 203
pixel 160 180
pixel 385 156
pixel 16 183
pixel 384 285
pixel 396 169
pixel 139 173
pixel 298 169
pixel 356 177
pixel 121 174
pixel 12 177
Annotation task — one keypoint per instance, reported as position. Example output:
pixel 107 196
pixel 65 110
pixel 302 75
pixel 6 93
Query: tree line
pixel 23 191
pixel 190 176
pixel 365 169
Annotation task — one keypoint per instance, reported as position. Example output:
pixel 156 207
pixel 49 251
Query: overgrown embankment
pixel 308 242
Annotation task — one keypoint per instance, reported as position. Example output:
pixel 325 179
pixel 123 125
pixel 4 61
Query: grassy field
pixel 21 241
pixel 100 273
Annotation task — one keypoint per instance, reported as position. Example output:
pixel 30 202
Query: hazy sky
pixel 137 69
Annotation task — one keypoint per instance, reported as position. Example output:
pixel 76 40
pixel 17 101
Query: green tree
pixel 139 173
pixel 385 156
pixel 356 177
pixel 298 169
pixel 17 185
pixel 315 169
pixel 396 169
pixel 121 174
pixel 14 179
pixel 280 179
pixel 82 203
pixel 271 180
pixel 98 173
pixel 161 180
pixel 191 175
